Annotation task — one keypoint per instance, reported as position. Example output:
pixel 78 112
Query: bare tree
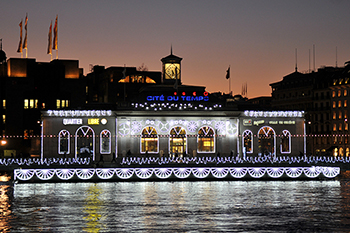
pixel 143 67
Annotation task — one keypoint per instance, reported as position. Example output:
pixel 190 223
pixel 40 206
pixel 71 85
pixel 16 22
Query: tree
pixel 143 67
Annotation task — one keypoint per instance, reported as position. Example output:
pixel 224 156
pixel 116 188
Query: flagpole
pixel 230 85
pixel 230 92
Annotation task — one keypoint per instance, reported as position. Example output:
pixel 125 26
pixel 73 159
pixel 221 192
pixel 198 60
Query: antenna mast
pixel 336 56
pixel 314 57
pixel 296 60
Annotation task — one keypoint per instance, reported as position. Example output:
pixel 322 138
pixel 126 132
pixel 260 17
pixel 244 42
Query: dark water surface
pixel 220 206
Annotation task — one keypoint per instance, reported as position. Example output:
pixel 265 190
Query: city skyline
pixel 258 40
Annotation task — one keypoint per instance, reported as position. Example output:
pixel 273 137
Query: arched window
pixel 177 141
pixel 85 142
pixel 206 140
pixel 285 146
pixel 267 140
pixel 149 140
pixel 63 142
pixel 341 151
pixel 247 141
pixel 105 142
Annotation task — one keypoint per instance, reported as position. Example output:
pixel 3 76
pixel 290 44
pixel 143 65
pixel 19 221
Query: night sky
pixel 258 39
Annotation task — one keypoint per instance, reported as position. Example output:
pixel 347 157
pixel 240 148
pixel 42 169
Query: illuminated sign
pixel 72 121
pixel 274 113
pixel 259 122
pixel 93 121
pixel 247 122
pixel 77 113
pixel 182 97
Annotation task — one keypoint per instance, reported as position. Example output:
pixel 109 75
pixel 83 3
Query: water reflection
pixel 92 207
pixel 5 208
pixel 316 206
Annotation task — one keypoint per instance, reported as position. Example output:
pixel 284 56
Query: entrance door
pixel 177 142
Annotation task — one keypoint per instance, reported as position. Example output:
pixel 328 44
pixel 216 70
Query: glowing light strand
pixel 181 173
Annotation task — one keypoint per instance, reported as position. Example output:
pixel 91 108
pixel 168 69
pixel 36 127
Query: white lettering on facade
pixel 78 113
pixel 72 121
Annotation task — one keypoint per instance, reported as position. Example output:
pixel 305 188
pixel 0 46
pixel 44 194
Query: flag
pixel 55 39
pixel 228 73
pixel 25 37
pixel 49 47
pixel 19 50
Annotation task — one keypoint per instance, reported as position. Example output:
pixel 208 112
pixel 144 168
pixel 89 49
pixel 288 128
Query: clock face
pixel 172 71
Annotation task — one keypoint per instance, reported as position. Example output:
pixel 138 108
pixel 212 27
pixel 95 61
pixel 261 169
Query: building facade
pixel 323 95
pixel 81 133
pixel 26 88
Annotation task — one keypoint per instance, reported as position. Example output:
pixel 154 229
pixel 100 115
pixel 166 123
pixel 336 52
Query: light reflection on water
pixel 235 206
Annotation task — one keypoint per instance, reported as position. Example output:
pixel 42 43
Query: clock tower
pixel 171 68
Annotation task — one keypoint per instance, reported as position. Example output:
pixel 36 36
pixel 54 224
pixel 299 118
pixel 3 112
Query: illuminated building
pixel 165 118
pixel 323 95
pixel 26 88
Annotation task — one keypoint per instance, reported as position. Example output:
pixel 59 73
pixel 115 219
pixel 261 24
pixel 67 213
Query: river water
pixel 213 206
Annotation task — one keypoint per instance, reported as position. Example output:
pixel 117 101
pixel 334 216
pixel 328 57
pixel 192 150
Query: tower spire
pixel 171 49
pixel 0 43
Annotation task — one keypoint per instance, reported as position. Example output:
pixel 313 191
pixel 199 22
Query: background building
pixel 323 95
pixel 26 88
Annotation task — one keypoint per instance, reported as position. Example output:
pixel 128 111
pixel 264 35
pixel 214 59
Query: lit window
pixel 334 104
pixel 105 142
pixel 85 142
pixel 149 140
pixel 4 119
pixel 58 103
pixel 26 134
pixel 178 141
pixel 63 103
pixel 285 142
pixel 339 93
pixel 339 104
pixel 345 103
pixel 4 104
pixel 31 103
pixel 340 115
pixel 334 115
pixel 149 80
pixel 345 114
pixel 345 92
pixel 267 140
pixel 206 140
pixel 340 126
pixel 67 103
pixel 63 142
pixel 333 94
pixel 334 127
pixel 247 141
pixel 26 104
pixel 86 89
pixel 346 126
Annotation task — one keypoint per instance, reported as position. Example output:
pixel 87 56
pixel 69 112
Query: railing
pixel 160 161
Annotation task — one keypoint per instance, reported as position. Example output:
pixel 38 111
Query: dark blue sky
pixel 256 38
